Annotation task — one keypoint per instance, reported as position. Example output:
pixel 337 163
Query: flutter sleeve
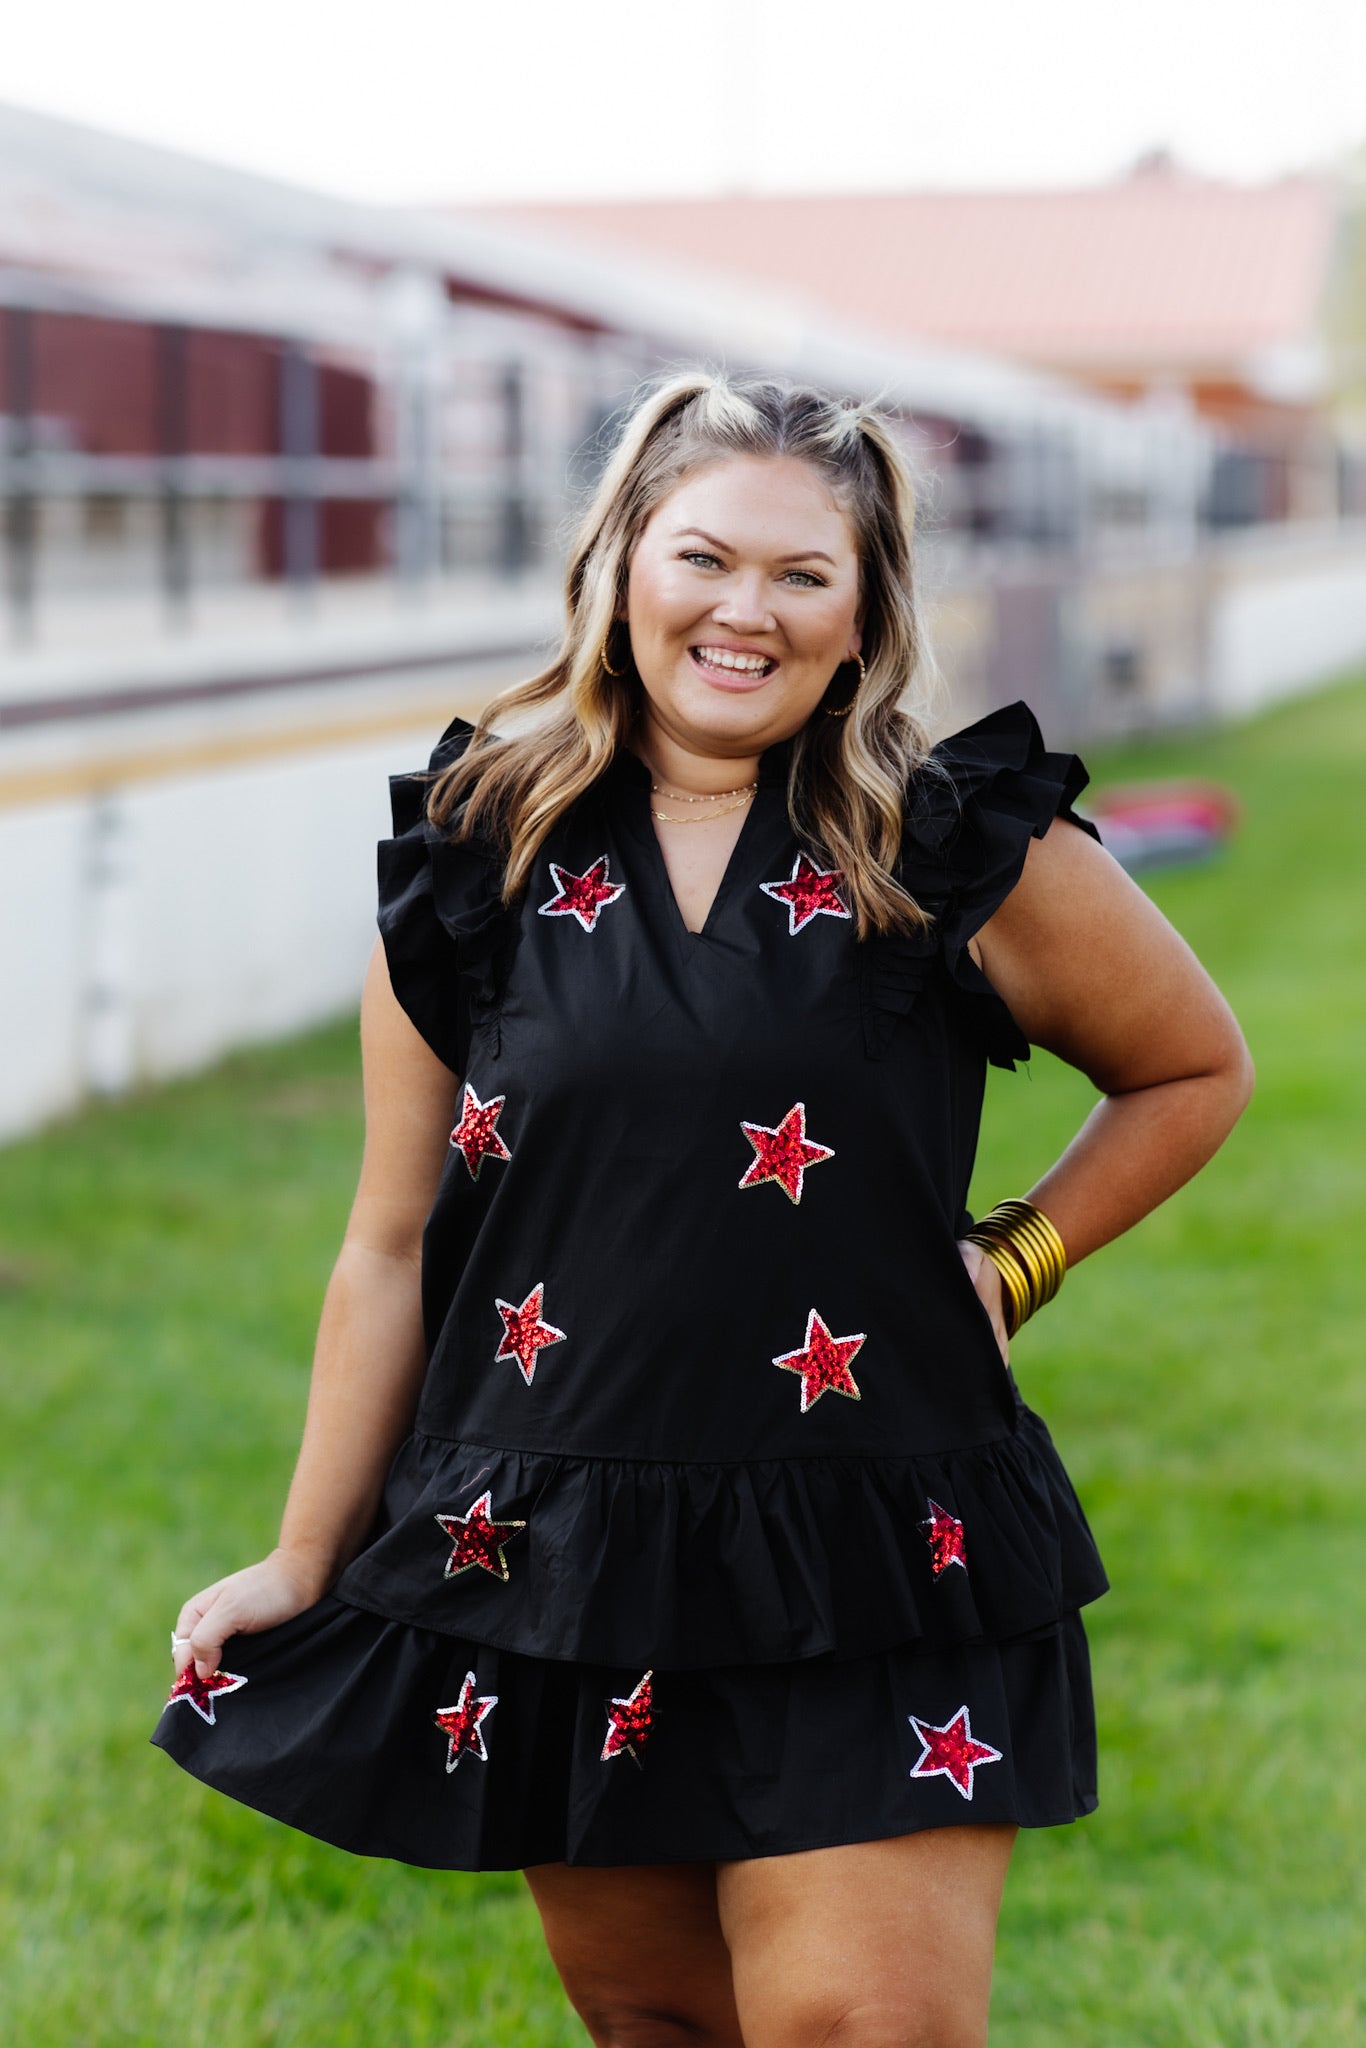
pixel 441 914
pixel 1001 787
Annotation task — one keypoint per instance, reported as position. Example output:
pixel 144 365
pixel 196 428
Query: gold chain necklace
pixel 677 796
pixel 706 818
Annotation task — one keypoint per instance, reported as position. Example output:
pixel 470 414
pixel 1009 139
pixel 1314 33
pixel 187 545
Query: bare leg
pixel 878 1945
pixel 640 1952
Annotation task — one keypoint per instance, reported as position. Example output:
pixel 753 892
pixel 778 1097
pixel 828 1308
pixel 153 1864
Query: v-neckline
pixel 719 894
pixel 773 764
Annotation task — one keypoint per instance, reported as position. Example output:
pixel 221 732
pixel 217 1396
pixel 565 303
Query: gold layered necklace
pixel 741 795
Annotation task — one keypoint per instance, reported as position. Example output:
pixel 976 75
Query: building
pixel 287 480
pixel 1187 294
pixel 210 380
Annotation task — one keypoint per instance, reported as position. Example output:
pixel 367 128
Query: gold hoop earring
pixel 843 710
pixel 602 656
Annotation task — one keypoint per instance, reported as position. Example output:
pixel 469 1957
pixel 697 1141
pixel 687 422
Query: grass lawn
pixel 163 1263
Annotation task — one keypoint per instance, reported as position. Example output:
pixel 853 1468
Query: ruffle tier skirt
pixel 393 1740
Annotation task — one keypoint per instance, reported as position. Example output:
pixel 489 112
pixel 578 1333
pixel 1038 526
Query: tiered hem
pixel 686 1566
pixel 334 1732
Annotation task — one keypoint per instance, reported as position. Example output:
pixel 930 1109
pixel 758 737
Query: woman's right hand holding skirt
pixel 259 1596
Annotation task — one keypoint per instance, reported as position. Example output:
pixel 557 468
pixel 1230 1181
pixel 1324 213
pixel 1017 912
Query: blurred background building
pixel 287 480
pixel 1197 297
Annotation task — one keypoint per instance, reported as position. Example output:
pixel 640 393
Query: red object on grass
pixel 1151 823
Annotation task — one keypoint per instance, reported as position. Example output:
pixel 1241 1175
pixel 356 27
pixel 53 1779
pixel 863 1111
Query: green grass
pixel 163 1263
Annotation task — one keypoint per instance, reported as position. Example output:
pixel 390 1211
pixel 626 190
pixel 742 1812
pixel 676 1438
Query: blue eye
pixel 700 555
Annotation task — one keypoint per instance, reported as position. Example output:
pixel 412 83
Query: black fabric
pixel 674 1503
pixel 704 1563
pixel 334 1733
pixel 441 915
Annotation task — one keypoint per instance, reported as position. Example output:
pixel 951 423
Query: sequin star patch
pixel 585 896
pixel 202 1692
pixel 629 1722
pixel 823 1363
pixel 807 892
pixel 783 1153
pixel 524 1332
pixel 475 1136
pixel 944 1534
pixel 478 1539
pixel 461 1723
pixel 951 1752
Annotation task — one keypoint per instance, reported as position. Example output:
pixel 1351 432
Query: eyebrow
pixel 805 554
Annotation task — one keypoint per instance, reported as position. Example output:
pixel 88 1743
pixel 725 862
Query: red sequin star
pixel 474 1136
pixel 581 896
pixel 461 1723
pixel 783 1154
pixel 944 1534
pixel 629 1722
pixel 201 1692
pixel 823 1363
pixel 807 892
pixel 478 1539
pixel 951 1751
pixel 524 1334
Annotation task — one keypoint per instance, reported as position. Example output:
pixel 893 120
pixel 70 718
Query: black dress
pixel 723 1529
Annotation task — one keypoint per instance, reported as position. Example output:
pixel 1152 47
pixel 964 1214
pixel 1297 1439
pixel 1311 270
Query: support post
pixel 299 445
pixel 173 445
pixel 21 504
pixel 514 538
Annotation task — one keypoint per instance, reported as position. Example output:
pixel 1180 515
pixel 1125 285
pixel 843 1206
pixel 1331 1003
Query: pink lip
pixel 732 679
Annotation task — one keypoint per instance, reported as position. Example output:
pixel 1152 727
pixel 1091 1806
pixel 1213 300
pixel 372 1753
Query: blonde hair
pixel 848 775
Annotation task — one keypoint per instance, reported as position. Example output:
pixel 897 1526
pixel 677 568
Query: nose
pixel 743 607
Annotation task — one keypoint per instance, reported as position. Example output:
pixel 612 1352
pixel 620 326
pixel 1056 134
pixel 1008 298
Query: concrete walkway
pixel 114 700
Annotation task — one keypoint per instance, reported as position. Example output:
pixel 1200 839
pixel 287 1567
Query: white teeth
pixel 721 657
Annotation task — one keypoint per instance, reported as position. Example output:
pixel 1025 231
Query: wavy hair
pixel 848 775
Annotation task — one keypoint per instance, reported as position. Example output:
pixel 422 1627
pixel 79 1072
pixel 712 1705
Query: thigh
pixel 640 1952
pixel 873 1944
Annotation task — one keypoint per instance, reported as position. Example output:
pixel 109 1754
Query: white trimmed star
pixel 200 1693
pixel 583 897
pixel 808 892
pixel 955 1751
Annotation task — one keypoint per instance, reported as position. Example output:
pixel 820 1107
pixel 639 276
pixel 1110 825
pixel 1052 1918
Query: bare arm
pixel 1092 971
pixel 370 1357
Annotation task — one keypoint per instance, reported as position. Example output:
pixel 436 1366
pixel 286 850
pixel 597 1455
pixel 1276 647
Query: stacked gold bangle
pixel 1029 1254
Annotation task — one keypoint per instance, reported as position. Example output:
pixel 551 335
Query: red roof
pixel 1160 267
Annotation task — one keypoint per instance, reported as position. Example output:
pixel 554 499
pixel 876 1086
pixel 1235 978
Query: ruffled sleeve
pixel 970 831
pixel 441 914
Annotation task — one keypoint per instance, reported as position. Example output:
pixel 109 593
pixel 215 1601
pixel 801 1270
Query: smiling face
pixel 742 601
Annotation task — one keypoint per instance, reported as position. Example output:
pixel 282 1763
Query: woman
pixel 668 1522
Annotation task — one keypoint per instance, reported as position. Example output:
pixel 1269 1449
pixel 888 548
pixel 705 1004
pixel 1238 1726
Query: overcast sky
pixel 448 99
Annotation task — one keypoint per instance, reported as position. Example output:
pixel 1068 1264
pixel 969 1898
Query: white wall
pixel 148 929
pixel 42 963
pixel 1282 621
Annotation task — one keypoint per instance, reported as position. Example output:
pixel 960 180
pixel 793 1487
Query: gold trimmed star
pixel 478 1539
pixel 461 1723
pixel 629 1722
